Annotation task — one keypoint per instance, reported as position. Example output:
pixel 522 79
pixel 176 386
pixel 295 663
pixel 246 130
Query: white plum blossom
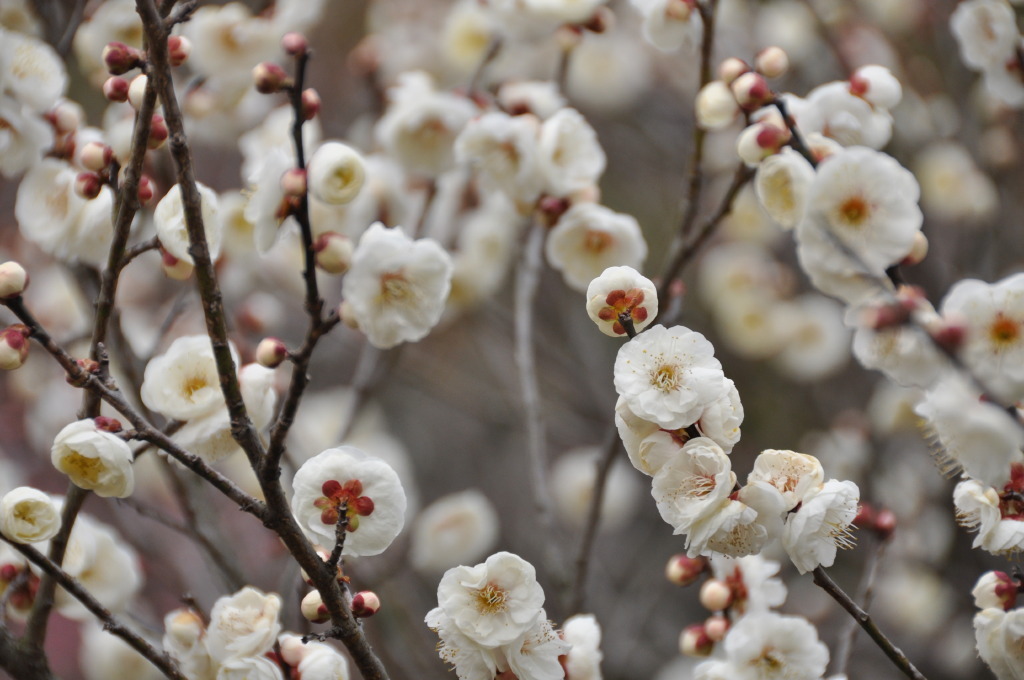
pixel 834 111
pixel 669 376
pixel 104 564
pixel 618 291
pixel 364 487
pixel 770 646
pixel 782 184
pixel 877 85
pixel 250 668
pixel 471 660
pixel 227 41
pixel 753 580
pixel 541 98
pixel 583 662
pixel 455 529
pixel 336 173
pixel 795 475
pixel 322 662
pixel 570 156
pixel 493 603
pixel 903 352
pixel 24 137
pixel 94 459
pixel 670 24
pixel 184 635
pixel 716 106
pixel 642 440
pixel 998 636
pixel 27 515
pixel 183 382
pixel 588 238
pixel 693 484
pixel 733 529
pixel 815 343
pixel 997 517
pixel 243 625
pixel 821 525
pixel 535 654
pixel 985 31
pixel 420 125
pixel 503 149
pixel 396 286
pixel 266 207
pixel 721 419
pixel 31 71
pixel 169 218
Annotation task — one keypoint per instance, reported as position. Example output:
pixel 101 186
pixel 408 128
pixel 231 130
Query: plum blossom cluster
pixel 491 620
pixel 997 626
pixel 240 639
pixel 744 635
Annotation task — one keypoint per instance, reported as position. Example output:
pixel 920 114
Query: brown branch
pixel 22 662
pixel 822 580
pixel 160 659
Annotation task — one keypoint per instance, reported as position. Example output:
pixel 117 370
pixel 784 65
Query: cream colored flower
pixel 28 515
pixel 244 624
pixel 93 459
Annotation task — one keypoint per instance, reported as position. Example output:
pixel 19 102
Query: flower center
pixel 82 467
pixel 1004 331
pixel 347 497
pixel 193 384
pixel 596 241
pixel 395 288
pixel 491 599
pixel 854 211
pixel 621 302
pixel 769 661
pixel 666 377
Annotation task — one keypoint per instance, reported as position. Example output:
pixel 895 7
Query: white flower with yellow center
pixel 493 603
pixel 589 238
pixel 456 528
pixel 244 624
pixel 794 474
pixel 821 524
pixel 336 173
pixel 693 484
pixel 169 218
pixel 782 183
pixel 28 515
pixel 769 646
pixel 503 149
pixel 183 383
pixel 669 376
pixel 93 459
pixel 397 287
pixel 571 158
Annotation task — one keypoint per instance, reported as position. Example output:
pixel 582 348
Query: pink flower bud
pixel 313 607
pixel 732 68
pixel 13 347
pixel 65 117
pixel 115 89
pixel 120 58
pixel 333 252
pixel 269 78
pixel 885 523
pixel 106 424
pixel 88 185
pixel 995 589
pixel 882 316
pixel 683 570
pixel 602 21
pixel 294 44
pixel 694 641
pixel 679 10
pixel 760 140
pixel 716 106
pixel 178 49
pixel 751 91
pixel 310 103
pixel 176 269
pixel 158 132
pixel 772 62
pixel 145 190
pixel 13 280
pixel 716 627
pixel 715 595
pixel 948 334
pixel 271 352
pixel 293 182
pixel 137 91
pixel 365 603
pixel 95 156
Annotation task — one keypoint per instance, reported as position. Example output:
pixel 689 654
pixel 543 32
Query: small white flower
pixel 24 139
pixel 336 173
pixel 669 376
pixel 250 668
pixel 998 518
pixel 535 654
pixel 753 580
pixel 716 106
pixel 732 529
pixel 322 662
pixel 28 515
pixel 471 660
pixel 794 474
pixel 503 149
pixel 541 98
pixel 693 484
pixel 366 487
pixel 821 525
pixel 266 207
pixel 242 625
pixel 722 418
pixel 183 382
pixel 583 632
pixel 670 24
pixel 590 238
pixel 104 564
pixel 998 636
pixel 228 40
pixel 782 183
pixel 571 158
pixel 617 291
pixel 770 646
pixel 877 85
pixel 492 603
pixel 835 112
pixel 31 71
pixel 455 529
pixel 94 459
pixel 169 218
pixel 184 633
pixel 986 32
pixel 397 287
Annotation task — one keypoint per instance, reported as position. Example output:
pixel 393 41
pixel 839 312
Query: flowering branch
pixel 111 624
pixel 825 582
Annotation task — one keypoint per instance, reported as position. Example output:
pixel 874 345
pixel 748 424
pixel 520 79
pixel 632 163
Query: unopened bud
pixel 885 523
pixel 760 140
pixel 918 250
pixel 772 62
pixel 293 182
pixel 751 91
pixel 682 570
pixel 13 280
pixel 88 185
pixel 732 68
pixel 716 106
pixel 294 44
pixel 271 352
pixel 602 21
pixel 313 607
pixel 185 627
pixel 95 156
pixel 715 595
pixel 145 190
pixel 66 116
pixel 333 252
pixel 882 316
pixel 115 89
pixel 105 424
pixel 348 315
pixel 310 103
pixel 552 208
pixel 716 627
pixel 679 10
pixel 694 641
pixel 158 132
pixel 120 58
pixel 995 589
pixel 365 603
pixel 269 78
pixel 178 49
pixel 137 91
pixel 176 269
pixel 13 347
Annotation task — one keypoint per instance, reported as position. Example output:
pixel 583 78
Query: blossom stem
pixel 796 138
pixel 626 320
pixel 111 624
pixel 865 592
pixel 825 582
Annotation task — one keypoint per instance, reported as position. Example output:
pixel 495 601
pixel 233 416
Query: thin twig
pixel 822 580
pixel 111 624
pixel 490 55
pixel 848 635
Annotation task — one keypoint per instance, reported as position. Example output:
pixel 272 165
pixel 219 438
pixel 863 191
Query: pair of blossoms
pixel 491 620
pixel 679 416
pixel 239 642
pixel 999 626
